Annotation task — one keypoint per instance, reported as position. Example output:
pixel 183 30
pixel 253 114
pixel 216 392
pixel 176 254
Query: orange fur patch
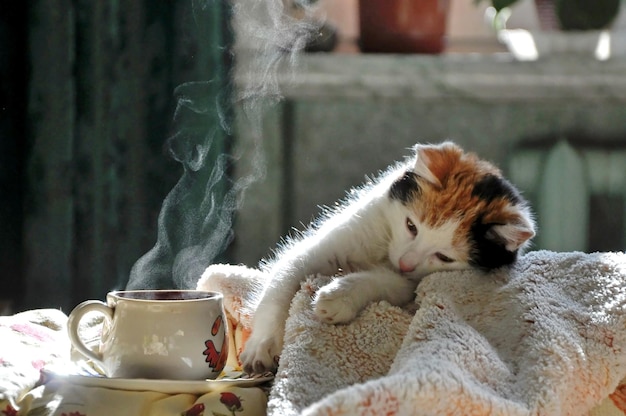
pixel 458 172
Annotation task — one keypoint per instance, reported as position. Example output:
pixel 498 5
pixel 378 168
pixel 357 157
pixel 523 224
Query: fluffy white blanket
pixel 547 337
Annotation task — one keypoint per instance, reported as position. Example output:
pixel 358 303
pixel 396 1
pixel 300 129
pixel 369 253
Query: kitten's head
pixel 451 210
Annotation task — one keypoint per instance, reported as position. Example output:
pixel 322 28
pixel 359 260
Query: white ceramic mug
pixel 162 334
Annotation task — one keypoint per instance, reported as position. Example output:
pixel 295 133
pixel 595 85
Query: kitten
pixel 442 209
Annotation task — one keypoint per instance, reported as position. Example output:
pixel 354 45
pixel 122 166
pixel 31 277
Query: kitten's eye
pixel 411 227
pixel 444 258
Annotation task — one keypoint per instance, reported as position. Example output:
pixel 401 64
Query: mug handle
pixel 73 323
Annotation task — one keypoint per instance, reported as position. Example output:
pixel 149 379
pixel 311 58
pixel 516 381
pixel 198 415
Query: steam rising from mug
pixel 195 222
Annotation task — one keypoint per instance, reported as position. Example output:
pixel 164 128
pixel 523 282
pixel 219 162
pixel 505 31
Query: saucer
pixel 159 385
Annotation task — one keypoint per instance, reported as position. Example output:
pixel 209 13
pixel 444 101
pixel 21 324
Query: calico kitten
pixel 442 209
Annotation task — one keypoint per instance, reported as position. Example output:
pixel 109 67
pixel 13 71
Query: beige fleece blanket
pixel 545 338
pixel 35 353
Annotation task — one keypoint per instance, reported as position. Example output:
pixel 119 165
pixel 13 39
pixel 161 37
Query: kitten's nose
pixel 406 267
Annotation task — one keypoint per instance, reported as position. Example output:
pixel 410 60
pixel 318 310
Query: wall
pixel 347 116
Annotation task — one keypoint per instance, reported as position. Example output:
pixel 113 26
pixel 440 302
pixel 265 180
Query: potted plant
pixel 569 15
pixel 401 26
pixel 568 27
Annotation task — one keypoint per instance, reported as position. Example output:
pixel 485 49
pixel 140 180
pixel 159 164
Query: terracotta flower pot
pixel 403 26
pixel 547 15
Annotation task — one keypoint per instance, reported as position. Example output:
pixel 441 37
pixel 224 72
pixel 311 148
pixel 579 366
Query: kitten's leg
pixel 341 300
pixel 263 348
pixel 322 252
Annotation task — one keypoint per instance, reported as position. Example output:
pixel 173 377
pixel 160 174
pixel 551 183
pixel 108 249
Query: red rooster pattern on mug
pixel 215 358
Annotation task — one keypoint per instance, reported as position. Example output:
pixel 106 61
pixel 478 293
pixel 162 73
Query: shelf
pixel 490 77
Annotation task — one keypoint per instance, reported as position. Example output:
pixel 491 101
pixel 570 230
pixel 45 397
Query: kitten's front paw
pixel 261 353
pixel 334 305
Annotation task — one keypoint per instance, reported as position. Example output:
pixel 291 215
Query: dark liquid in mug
pixel 174 295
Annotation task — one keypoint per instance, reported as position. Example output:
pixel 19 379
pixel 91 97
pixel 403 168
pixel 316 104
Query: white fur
pixel 367 240
pixel 420 251
pixel 341 300
pixel 518 234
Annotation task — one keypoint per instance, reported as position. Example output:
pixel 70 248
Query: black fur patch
pixel 488 253
pixel 492 187
pixel 405 188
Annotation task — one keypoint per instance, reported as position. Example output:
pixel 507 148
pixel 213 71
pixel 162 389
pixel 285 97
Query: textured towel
pixel 28 341
pixel 547 337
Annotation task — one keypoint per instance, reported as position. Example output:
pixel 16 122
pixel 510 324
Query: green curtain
pixel 125 100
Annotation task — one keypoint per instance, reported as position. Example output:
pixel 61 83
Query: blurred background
pixel 94 96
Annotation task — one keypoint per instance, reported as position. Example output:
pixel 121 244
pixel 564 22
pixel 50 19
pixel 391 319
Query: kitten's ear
pixel 515 232
pixel 434 162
